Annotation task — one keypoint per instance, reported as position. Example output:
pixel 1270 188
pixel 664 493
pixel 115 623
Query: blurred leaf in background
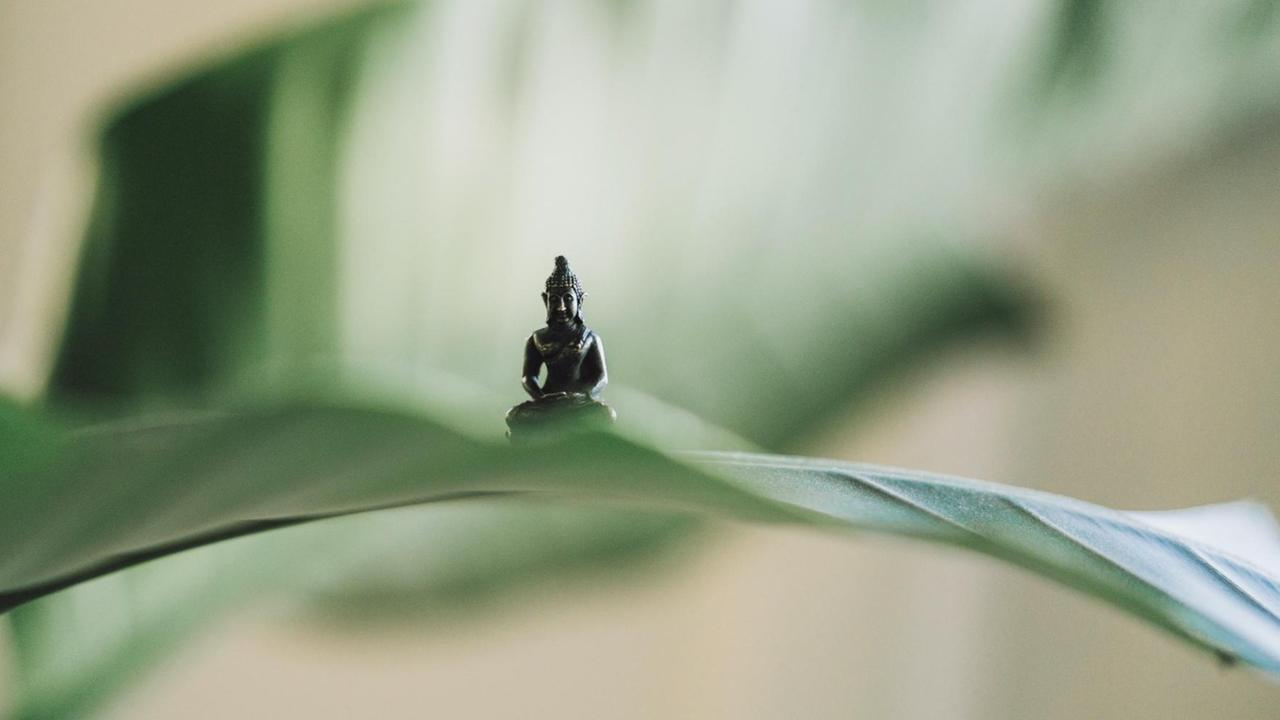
pixel 347 203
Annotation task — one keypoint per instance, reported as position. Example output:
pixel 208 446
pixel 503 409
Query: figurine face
pixel 562 305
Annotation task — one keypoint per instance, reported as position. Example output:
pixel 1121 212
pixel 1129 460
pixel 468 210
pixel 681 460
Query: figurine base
pixel 541 419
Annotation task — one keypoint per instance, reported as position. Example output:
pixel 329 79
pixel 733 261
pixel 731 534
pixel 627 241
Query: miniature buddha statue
pixel 573 356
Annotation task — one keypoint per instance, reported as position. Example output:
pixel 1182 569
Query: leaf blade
pixel 1202 594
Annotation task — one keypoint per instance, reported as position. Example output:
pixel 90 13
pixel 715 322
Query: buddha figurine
pixel 574 359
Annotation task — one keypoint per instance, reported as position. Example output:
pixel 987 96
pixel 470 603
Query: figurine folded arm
pixel 593 368
pixel 592 375
pixel 532 366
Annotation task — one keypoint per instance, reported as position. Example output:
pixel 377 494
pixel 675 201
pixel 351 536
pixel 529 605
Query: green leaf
pixel 125 493
pixel 297 463
pixel 204 188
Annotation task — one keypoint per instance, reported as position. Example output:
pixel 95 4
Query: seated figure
pixel 574 359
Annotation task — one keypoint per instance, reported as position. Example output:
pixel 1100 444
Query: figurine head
pixel 563 296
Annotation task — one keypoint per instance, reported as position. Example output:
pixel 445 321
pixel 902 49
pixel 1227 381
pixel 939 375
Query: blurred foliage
pixel 304 253
pixel 173 280
pixel 771 210
pixel 1078 51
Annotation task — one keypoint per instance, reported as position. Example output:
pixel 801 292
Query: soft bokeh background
pixel 1133 178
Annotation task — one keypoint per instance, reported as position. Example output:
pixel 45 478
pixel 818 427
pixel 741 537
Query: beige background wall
pixel 1156 387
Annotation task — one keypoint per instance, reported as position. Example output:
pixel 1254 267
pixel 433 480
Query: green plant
pixel 295 303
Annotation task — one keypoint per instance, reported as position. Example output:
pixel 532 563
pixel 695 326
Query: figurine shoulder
pixel 543 339
pixel 587 339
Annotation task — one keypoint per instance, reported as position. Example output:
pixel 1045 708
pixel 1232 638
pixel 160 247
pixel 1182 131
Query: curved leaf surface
pixel 180 485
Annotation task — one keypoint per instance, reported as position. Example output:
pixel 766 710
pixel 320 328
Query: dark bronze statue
pixel 574 359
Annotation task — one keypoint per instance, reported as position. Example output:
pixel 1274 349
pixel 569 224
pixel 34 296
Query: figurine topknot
pixel 563 277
